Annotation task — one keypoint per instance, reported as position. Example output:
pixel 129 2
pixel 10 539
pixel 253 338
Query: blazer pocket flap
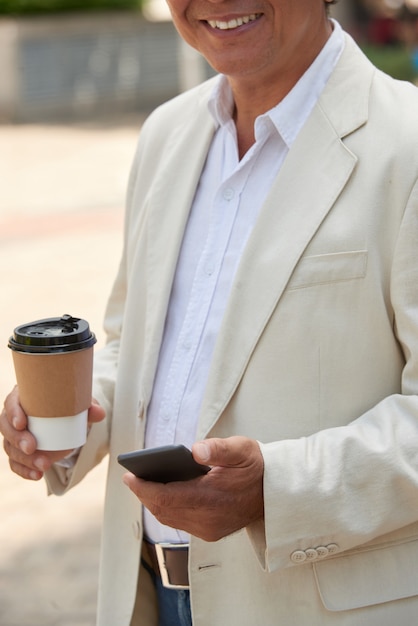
pixel 329 268
pixel 368 578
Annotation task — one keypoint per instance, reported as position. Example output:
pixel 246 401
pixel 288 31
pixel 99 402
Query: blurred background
pixel 79 59
pixel 78 77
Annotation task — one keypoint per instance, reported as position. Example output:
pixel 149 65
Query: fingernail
pixel 41 465
pixel 24 446
pixel 16 422
pixel 202 450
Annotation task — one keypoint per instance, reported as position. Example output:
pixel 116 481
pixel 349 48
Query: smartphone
pixel 164 464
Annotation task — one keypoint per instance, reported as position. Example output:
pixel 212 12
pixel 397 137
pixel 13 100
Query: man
pixel 266 307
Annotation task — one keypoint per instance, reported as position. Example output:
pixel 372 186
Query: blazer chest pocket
pixel 369 577
pixel 329 268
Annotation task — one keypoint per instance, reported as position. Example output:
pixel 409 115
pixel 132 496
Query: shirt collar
pixel 291 113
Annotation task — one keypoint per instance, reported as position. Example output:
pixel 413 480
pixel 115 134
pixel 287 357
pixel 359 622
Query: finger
pixel 155 496
pixel 13 424
pixel 40 461
pixel 165 501
pixel 14 430
pixel 22 463
pixel 22 452
pixel 229 452
pixel 13 411
pixel 96 412
pixel 209 513
pixel 139 488
pixel 25 472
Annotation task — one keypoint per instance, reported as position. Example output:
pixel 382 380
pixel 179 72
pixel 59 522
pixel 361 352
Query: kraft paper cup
pixel 53 361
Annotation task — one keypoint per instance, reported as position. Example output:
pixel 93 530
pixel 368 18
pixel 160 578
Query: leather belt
pixel 170 561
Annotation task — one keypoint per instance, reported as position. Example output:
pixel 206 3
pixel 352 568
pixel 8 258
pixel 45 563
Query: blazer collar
pixel 345 99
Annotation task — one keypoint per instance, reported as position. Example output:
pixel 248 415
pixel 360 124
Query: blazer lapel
pixel 315 171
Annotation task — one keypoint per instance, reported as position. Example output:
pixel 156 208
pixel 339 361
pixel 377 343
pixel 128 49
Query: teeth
pixel 235 23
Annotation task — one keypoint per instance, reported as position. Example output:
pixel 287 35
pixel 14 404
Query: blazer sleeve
pixel 348 485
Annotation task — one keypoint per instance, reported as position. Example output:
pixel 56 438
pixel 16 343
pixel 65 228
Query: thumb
pixel 229 452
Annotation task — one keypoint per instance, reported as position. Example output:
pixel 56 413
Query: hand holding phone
pixel 164 464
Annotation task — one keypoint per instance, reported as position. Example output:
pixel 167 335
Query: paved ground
pixel 61 210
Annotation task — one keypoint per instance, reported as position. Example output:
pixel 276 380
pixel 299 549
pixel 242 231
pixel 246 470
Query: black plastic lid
pixel 55 334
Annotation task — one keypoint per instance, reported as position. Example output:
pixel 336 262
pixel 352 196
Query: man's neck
pixel 253 96
pixel 249 104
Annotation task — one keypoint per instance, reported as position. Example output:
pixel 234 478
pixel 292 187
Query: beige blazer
pixel 317 358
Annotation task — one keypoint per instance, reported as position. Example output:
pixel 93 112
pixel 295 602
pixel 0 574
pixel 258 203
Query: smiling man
pixel 265 315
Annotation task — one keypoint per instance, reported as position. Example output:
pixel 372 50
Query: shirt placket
pixel 204 284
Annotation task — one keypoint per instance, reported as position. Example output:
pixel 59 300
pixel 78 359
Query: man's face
pixel 260 39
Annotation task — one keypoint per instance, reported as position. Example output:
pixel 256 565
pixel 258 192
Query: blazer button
pixel 333 548
pixel 311 554
pixel 136 528
pixel 298 556
pixel 322 551
pixel 141 409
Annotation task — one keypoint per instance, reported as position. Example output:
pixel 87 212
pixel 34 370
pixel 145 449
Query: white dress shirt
pixel 228 199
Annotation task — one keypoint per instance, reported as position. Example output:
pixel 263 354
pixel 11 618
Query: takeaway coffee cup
pixel 53 361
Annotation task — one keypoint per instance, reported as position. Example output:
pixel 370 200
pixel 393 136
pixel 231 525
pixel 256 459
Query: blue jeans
pixel 173 604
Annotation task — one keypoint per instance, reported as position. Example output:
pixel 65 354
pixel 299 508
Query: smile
pixel 235 23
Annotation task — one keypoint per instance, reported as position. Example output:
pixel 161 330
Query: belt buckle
pixel 159 550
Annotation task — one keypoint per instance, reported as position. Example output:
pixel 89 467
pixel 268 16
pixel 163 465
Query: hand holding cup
pixel 51 406
pixel 21 446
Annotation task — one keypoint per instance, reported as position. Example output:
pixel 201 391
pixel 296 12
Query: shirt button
pixel 228 194
pixel 322 551
pixel 298 556
pixel 311 554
